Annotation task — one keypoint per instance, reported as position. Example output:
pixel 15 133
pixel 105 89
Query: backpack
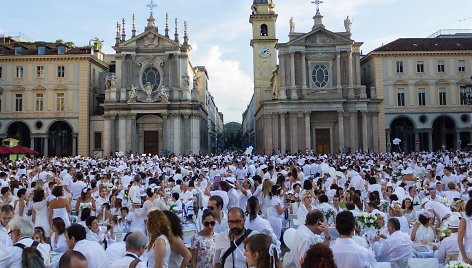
pixel 31 257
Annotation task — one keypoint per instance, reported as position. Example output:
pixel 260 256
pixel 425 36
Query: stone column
pixel 430 140
pixel 389 143
pixel 283 136
pixel 122 133
pixel 113 147
pixel 292 70
pixel 376 132
pixel 177 134
pixel 134 147
pixel 358 69
pixel 338 73
pixel 458 137
pixel 417 139
pixel 106 135
pixel 74 144
pixel 165 132
pixel 365 135
pixel 293 133
pixel 351 82
pixel 353 131
pixel 307 131
pixel 195 119
pixel 283 82
pixel 46 146
pixel 32 142
pixel 341 130
pixel 276 131
pixel 140 138
pixel 304 83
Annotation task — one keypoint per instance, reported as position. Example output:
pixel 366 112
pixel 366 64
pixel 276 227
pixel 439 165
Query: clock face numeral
pixel 264 52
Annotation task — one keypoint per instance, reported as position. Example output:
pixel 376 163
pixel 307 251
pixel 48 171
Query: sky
pixel 220 32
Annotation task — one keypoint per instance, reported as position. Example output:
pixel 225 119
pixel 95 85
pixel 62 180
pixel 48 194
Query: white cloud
pixel 230 86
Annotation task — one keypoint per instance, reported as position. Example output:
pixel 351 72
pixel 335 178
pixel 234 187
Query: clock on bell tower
pixel 263 43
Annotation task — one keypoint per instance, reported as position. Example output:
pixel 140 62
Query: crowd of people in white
pixel 237 210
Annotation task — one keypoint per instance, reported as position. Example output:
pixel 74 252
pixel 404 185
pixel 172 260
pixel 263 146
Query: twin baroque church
pixel 155 101
pixel 313 98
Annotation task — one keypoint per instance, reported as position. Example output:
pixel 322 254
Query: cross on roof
pixel 317 3
pixel 151 6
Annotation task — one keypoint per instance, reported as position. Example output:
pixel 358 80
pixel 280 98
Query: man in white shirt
pixel 135 247
pixel 307 235
pixel 6 215
pixel 346 252
pixel 22 230
pixel 441 212
pixel 75 238
pixel 67 179
pixel 396 248
pixel 449 245
pixel 74 259
pixel 234 258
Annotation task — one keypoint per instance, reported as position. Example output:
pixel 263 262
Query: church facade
pixel 307 91
pixel 155 100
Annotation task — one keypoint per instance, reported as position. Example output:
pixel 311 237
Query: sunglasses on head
pixel 208 223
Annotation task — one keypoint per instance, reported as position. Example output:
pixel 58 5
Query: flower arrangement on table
pixel 456 264
pixel 444 232
pixel 367 220
pixel 328 213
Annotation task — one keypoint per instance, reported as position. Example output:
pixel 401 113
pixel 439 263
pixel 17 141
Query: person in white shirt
pixel 347 253
pixel 102 199
pixel 449 245
pixel 256 222
pixel 22 230
pixel 223 241
pixel 135 247
pixel 441 212
pixel 6 215
pixel 307 235
pixel 93 251
pixel 397 248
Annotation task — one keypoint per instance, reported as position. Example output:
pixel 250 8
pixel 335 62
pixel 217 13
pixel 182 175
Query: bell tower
pixel 263 43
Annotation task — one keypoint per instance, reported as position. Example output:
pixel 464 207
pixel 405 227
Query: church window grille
pixel 264 30
pixel 151 75
pixel 320 75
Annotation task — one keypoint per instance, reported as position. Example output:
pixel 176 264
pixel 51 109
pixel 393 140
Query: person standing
pixel 203 243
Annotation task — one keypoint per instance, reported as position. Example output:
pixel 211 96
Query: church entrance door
pixel 151 142
pixel 323 141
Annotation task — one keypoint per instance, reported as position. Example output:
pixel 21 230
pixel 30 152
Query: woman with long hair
pixel 21 208
pixel 85 201
pixel 256 222
pixel 161 240
pixel 261 253
pixel 278 208
pixel 204 243
pixel 180 255
pixel 266 200
pixel 58 239
pixel 39 211
pixel 306 200
pixel 59 207
pixel 408 210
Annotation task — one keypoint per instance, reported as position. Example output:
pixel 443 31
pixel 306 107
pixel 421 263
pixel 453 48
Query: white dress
pixel 61 213
pixel 175 260
pixel 41 219
pixel 275 219
pixel 424 234
pixel 467 237
pixel 151 257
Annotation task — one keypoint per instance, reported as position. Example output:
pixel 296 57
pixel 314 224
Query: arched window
pixel 264 31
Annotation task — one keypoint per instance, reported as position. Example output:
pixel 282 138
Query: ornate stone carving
pixel 347 24
pixel 319 39
pixel 151 40
pixel 186 80
pixel 148 95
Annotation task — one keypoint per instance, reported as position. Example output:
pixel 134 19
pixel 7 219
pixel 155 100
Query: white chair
pixel 422 263
pixel 383 265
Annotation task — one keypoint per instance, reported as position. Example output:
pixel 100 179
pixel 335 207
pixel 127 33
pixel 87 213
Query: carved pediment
pixel 421 83
pixel 39 87
pixel 149 40
pixel 401 83
pixel 60 87
pixel 18 88
pixel 442 82
pixel 463 82
pixel 320 37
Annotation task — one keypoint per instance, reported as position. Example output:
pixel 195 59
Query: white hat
pixel 136 201
pixel 230 180
pixel 264 167
pixel 251 181
pixel 452 222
